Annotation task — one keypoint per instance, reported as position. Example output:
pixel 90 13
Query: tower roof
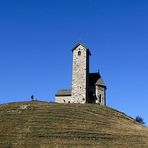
pixel 80 44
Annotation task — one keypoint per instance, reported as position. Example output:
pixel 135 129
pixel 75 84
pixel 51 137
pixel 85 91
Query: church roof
pixel 63 92
pixel 100 82
pixel 95 79
pixel 81 45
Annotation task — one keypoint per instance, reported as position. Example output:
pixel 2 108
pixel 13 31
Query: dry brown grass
pixel 49 125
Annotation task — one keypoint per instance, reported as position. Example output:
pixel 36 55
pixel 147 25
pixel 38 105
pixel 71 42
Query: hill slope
pixel 43 125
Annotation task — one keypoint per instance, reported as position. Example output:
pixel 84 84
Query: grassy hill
pixel 49 125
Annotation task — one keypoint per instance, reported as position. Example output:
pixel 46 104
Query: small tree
pixel 140 120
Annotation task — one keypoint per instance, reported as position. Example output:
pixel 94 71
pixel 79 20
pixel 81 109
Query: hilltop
pixel 49 125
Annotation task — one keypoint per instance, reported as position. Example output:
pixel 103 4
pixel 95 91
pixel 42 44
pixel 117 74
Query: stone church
pixel 86 87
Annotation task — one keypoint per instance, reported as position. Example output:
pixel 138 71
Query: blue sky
pixel 36 38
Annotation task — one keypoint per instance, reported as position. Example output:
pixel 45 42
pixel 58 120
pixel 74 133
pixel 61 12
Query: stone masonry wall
pixel 79 76
pixel 63 99
pixel 101 91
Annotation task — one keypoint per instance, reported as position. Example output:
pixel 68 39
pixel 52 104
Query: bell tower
pixel 80 74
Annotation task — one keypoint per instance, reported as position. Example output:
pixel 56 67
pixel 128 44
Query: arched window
pixel 79 53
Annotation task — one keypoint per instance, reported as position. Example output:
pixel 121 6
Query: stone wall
pixel 63 99
pixel 80 75
pixel 101 95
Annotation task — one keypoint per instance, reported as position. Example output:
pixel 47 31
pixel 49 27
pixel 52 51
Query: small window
pixel 79 53
pixel 83 99
pixel 100 98
pixel 68 101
